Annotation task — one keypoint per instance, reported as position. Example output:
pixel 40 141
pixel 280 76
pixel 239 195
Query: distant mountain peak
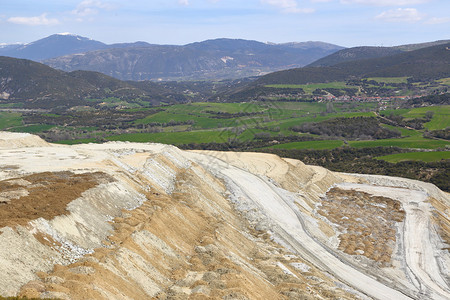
pixel 70 34
pixel 52 46
pixel 66 33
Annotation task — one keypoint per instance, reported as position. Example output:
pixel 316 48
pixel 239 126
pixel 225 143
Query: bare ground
pixel 42 195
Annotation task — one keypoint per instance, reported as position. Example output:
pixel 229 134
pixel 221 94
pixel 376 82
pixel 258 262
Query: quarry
pixel 124 220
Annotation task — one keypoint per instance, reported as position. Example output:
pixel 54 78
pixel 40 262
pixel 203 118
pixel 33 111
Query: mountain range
pixel 211 59
pixel 35 85
pixel 425 63
pixel 207 60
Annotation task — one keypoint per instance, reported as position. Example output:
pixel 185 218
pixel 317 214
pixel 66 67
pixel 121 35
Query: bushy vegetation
pixel 398 120
pixel 440 134
pixel 349 128
pixel 440 99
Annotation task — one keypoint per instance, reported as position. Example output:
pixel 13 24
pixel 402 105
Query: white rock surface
pixel 273 194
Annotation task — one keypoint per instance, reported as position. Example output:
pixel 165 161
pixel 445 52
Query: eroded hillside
pixel 142 221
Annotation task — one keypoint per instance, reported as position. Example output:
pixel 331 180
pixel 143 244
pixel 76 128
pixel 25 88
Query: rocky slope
pixel 140 221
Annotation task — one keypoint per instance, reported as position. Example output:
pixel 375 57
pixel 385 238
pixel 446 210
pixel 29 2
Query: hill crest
pixel 150 220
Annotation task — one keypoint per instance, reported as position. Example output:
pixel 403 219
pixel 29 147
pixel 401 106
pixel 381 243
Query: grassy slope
pixel 309 88
pixel 8 120
pixel 32 128
pixel 175 138
pixel 409 142
pixel 330 144
pixel 278 118
pixel 440 120
pixel 389 79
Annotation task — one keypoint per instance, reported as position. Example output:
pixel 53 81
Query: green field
pixel 445 81
pixel 205 122
pixel 175 138
pixel 222 107
pixel 32 128
pixel 414 142
pixel 418 156
pixel 389 79
pixel 330 144
pixel 404 131
pixel 8 120
pixel 166 117
pixel 440 120
pixel 112 102
pixel 273 114
pixel 287 123
pixel 11 105
pixel 309 88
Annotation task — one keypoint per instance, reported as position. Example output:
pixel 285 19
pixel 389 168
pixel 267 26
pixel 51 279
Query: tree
pixel 429 114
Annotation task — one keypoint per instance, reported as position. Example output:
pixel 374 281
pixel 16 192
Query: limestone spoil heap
pixel 140 221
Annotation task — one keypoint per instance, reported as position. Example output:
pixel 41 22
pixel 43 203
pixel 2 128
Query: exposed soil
pixel 184 225
pixel 42 195
pixel 368 222
pixel 212 257
pixel 441 219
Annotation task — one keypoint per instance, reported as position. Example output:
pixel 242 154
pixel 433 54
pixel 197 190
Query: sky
pixel 346 23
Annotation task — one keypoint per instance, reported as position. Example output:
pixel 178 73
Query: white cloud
pixel 33 21
pixel 385 2
pixel 288 6
pixel 436 20
pixel 91 7
pixel 400 15
pixel 183 2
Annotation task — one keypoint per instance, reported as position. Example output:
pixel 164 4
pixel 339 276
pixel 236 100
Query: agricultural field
pixel 439 121
pixel 417 156
pixel 407 143
pixel 370 87
pixel 309 88
pixel 32 128
pixel 261 125
pixel 389 79
pixel 331 144
pixel 445 81
pixel 113 102
pixel 175 138
pixel 9 120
